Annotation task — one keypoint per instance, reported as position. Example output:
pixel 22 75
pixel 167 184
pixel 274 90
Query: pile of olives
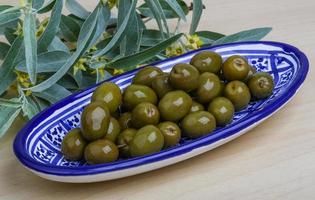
pixel 158 109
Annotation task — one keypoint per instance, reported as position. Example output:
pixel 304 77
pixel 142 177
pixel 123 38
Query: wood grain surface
pixel 276 160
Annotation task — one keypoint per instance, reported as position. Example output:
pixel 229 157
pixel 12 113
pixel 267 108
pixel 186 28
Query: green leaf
pixel 58 45
pixel 197 11
pixel 9 34
pixel 248 35
pixel 30 43
pixel 158 15
pixel 47 62
pixel 4 48
pixel 144 55
pixel 13 103
pixel 41 103
pixel 37 4
pixel 6 70
pixel 52 27
pixel 168 11
pixel 75 8
pixel 121 32
pixel 47 7
pixel 69 28
pixel 29 108
pixel 151 37
pixel 86 33
pixel 9 14
pixel 208 37
pixel 7 117
pixel 68 82
pixel 177 9
pixel 53 94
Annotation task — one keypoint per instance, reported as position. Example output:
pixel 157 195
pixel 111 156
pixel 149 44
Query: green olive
pixel 161 85
pixel 146 75
pixel 147 140
pixel 251 72
pixel 209 87
pixel 144 114
pixel 238 93
pixel 222 109
pixel 261 85
pixel 175 105
pixel 113 130
pixel 235 68
pixel 125 120
pixel 95 121
pixel 184 77
pixel 207 61
pixel 171 133
pixel 101 151
pixel 197 124
pixel 123 141
pixel 135 94
pixel 73 145
pixel 110 94
pixel 195 107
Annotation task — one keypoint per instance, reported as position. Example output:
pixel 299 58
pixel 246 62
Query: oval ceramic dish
pixel 37 145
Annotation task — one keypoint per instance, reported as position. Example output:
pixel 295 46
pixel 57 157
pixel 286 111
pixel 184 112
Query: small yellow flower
pixel 111 3
pixel 42 27
pixel 19 29
pixel 118 71
pixel 193 42
pixel 79 65
pixel 24 80
pixel 175 49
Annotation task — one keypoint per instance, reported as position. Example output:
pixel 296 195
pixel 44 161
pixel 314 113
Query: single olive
pixel 195 107
pixel 261 85
pixel 73 145
pixel 222 109
pixel 207 61
pixel 251 72
pixel 238 93
pixel 171 133
pixel 175 105
pixel 222 87
pixel 144 114
pixel 101 151
pixel 184 77
pixel 235 68
pixel 125 120
pixel 113 130
pixel 146 75
pixel 95 120
pixel 209 87
pixel 161 85
pixel 147 140
pixel 123 141
pixel 197 124
pixel 110 94
pixel 135 94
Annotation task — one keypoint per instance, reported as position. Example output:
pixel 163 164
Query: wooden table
pixel 276 160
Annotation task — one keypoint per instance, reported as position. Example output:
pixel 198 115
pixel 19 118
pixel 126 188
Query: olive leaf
pixel 197 11
pixel 86 34
pixel 58 45
pixel 53 94
pixel 247 35
pixel 29 107
pixel 208 37
pixel 6 70
pixel 14 102
pixel 175 5
pixel 4 48
pixel 7 117
pixel 37 4
pixel 9 14
pixel 75 8
pixel 144 55
pixel 121 32
pixel 47 7
pixel 52 27
pixel 30 43
pixel 69 28
pixel 151 37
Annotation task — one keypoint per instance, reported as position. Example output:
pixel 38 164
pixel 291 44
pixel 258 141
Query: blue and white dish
pixel 37 145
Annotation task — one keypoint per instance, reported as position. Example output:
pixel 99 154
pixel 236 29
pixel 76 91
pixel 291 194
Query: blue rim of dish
pixel 25 159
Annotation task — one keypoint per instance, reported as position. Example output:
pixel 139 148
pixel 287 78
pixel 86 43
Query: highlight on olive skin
pixel 159 110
